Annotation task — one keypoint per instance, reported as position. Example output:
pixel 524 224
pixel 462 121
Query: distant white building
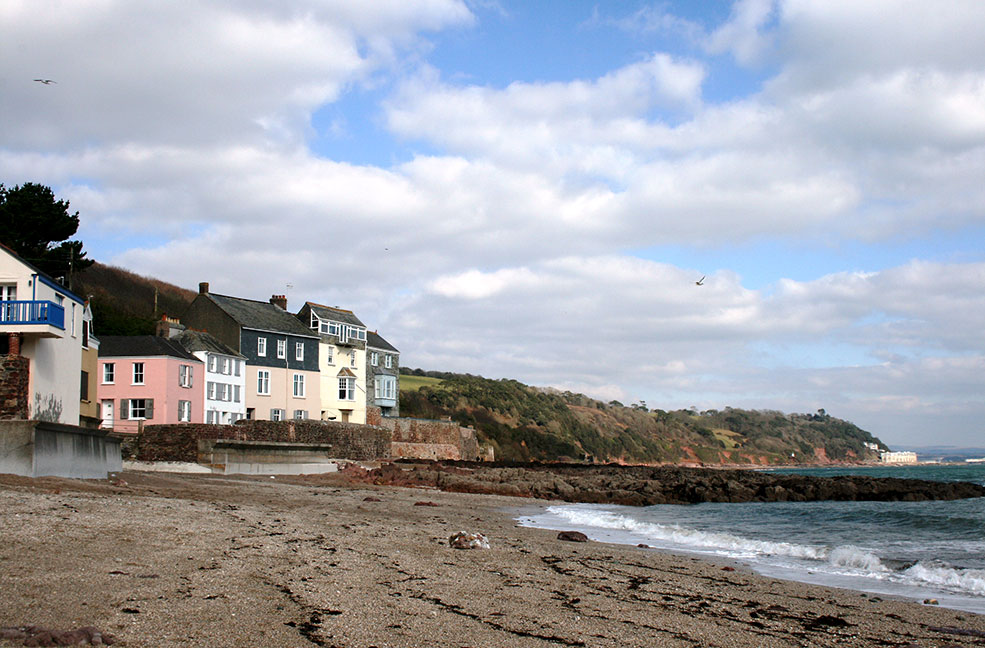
pixel 225 376
pixel 898 457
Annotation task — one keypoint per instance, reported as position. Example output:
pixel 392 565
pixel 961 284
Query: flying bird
pixel 45 81
pixel 700 282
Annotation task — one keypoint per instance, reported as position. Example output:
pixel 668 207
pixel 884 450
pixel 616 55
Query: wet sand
pixel 194 560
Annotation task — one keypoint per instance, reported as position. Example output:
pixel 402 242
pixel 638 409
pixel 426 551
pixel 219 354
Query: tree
pixel 37 227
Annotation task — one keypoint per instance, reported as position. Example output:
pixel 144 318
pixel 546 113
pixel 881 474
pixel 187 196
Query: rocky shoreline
pixel 644 485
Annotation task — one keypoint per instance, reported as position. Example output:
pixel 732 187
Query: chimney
pixel 280 301
pixel 203 288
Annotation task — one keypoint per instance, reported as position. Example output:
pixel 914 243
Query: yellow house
pixel 341 361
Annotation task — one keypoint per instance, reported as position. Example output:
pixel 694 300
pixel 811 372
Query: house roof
pixel 335 314
pixel 262 316
pixel 139 346
pixel 202 341
pixel 376 341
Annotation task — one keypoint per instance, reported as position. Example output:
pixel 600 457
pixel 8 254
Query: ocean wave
pixel 733 545
pixel 970 581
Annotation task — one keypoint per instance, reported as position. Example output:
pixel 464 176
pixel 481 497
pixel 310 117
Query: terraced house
pixel 341 361
pixel 281 354
pixel 382 375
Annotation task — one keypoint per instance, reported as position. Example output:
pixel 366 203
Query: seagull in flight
pixel 700 282
pixel 45 81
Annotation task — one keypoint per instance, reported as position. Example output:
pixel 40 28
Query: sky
pixel 533 189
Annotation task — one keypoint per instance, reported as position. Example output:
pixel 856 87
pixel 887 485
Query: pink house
pixel 150 380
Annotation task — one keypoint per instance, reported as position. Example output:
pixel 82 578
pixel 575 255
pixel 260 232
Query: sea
pixel 914 550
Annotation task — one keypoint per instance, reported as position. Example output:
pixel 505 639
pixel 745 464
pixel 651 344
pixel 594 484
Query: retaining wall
pixel 431 439
pixel 37 449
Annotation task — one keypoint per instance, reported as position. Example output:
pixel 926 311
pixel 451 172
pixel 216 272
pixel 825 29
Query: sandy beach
pixel 154 559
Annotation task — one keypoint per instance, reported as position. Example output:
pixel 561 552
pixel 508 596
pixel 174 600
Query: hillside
pixel 124 303
pixel 525 423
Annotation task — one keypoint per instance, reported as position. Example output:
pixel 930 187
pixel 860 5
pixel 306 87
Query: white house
pixel 225 376
pixel 40 321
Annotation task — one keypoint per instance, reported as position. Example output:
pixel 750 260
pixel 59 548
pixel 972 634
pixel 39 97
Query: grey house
pixel 382 375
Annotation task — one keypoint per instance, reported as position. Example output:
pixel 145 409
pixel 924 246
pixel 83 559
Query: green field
pixel 413 383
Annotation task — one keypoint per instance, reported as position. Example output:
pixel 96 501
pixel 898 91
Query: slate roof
pixel 259 315
pixel 335 314
pixel 115 346
pixel 203 341
pixel 376 341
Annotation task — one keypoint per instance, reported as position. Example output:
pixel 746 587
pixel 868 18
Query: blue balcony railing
pixel 32 312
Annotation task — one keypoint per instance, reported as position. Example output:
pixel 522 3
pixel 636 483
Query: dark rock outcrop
pixel 643 485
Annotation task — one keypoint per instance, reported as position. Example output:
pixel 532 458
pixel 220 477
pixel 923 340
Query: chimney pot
pixel 280 301
pixel 203 288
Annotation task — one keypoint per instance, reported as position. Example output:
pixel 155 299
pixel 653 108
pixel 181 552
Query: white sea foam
pixel 956 580
pixel 725 543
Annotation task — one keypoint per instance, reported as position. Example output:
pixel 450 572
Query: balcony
pixel 43 318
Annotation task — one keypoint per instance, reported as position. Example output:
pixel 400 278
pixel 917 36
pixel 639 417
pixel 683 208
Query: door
pixel 107 407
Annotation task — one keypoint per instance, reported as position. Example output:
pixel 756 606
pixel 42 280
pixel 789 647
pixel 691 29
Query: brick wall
pixel 179 442
pixel 15 372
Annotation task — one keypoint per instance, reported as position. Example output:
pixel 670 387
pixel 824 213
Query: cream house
pixel 41 330
pixel 341 361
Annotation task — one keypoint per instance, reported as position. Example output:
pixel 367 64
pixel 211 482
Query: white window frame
pixel 137 371
pixel 109 373
pixel 300 415
pixel 263 382
pixel 184 411
pixel 299 351
pixel 352 358
pixel 281 349
pixel 226 362
pixel 277 414
pixel 213 364
pixel 374 358
pixel 330 354
pixel 298 385
pixel 347 388
pixel 262 347
pixel 143 409
pixel 388 361
pixel 211 390
pixel 184 375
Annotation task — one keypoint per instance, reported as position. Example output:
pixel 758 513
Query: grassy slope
pixel 524 423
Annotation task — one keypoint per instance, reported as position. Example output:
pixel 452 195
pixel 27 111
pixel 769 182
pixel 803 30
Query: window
pixel 212 417
pixel 109 373
pixel 85 334
pixel 299 351
pixel 263 382
pixel 236 367
pixel 282 349
pixel 385 387
pixel 298 385
pixel 276 415
pixel 352 358
pixel 213 363
pixel 330 354
pixel 138 373
pixel 374 358
pixel 389 361
pixel 225 366
pixel 84 391
pixel 347 389
pixel 236 393
pixel 262 347
pixel 226 392
pixel 184 410
pixel 137 409
pixel 300 414
pixel 185 375
pixel 211 390
pixel 8 292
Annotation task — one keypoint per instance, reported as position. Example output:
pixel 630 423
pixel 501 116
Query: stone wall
pixel 14 380
pixel 431 439
pixel 179 442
